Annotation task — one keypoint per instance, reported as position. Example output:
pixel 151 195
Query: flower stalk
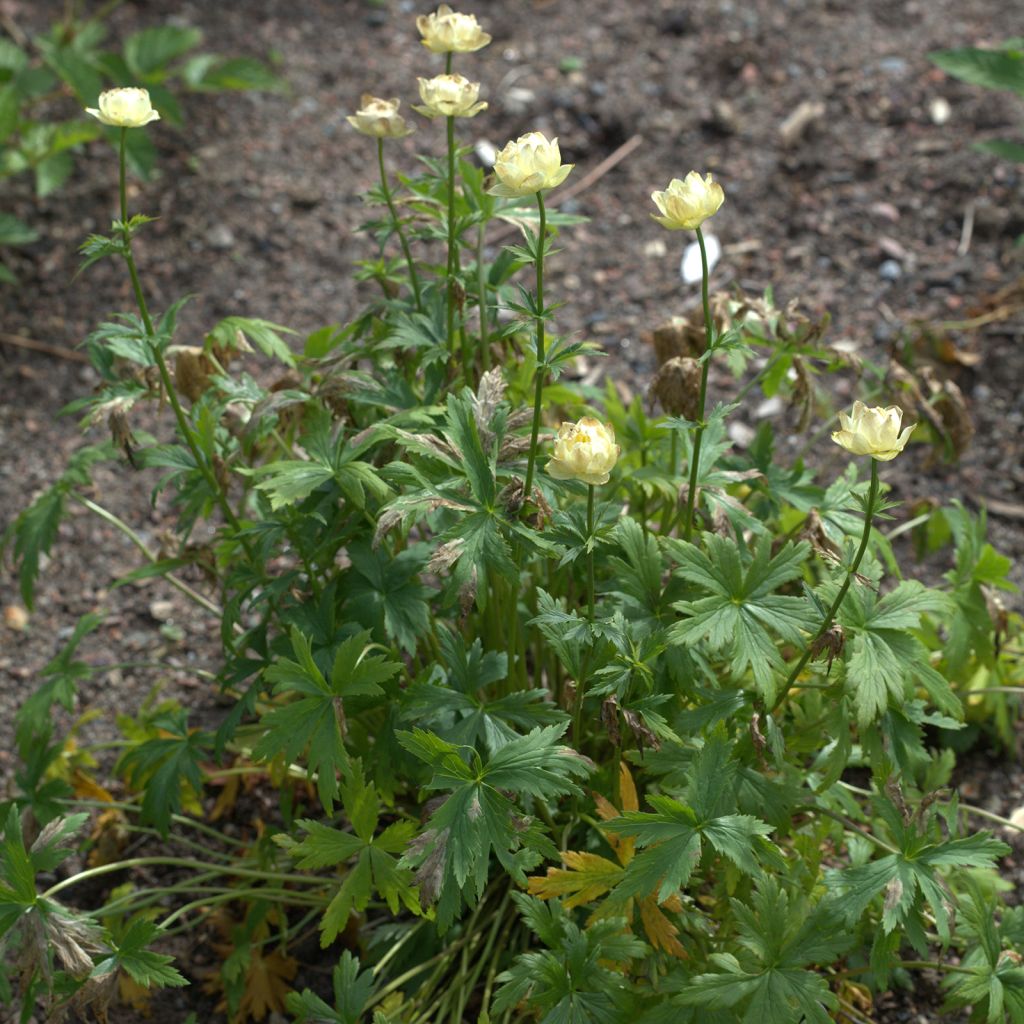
pixel 386 190
pixel 165 377
pixel 577 714
pixel 539 373
pixel 698 436
pixel 826 623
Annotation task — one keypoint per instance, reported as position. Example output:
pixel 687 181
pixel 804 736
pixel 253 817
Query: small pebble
pixel 220 236
pixel 690 268
pixel 15 617
pixel 161 610
pixel 890 270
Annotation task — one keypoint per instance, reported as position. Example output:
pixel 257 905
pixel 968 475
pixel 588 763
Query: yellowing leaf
pixel 588 877
pixel 661 932
pixel 110 834
pixel 225 802
pixel 87 788
pixel 266 985
pixel 134 994
pixel 623 846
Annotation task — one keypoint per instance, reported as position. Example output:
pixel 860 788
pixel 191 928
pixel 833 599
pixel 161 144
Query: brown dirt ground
pixel 258 205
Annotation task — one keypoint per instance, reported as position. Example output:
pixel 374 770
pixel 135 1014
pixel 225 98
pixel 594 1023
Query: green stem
pixel 590 552
pixel 577 715
pixel 453 255
pixel 850 573
pixel 231 895
pixel 178 862
pixel 121 525
pixel 539 372
pixel 481 289
pixel 385 188
pixel 165 377
pixel 705 366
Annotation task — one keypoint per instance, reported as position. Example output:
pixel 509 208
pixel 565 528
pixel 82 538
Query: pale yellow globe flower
pixel 449 96
pixel 874 431
pixel 528 165
pixel 379 118
pixel 584 451
pixel 447 31
pixel 687 203
pixel 124 108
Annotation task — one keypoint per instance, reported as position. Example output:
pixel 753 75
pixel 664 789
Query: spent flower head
pixel 449 96
pixel 379 118
pixel 124 108
pixel 873 431
pixel 585 450
pixel 447 31
pixel 688 202
pixel 529 164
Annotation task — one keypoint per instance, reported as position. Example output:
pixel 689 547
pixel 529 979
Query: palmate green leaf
pixel 35 529
pixel 990 977
pixel 672 838
pixel 352 989
pixel 462 712
pixel 385 593
pixel 1005 148
pixel 314 723
pixel 637 575
pixel 993 69
pixel 15 232
pixel 61 677
pixel 333 456
pixel 766 981
pixel 266 336
pixel 142 965
pixel 479 815
pixel 742 613
pixel 574 981
pixel 151 50
pixel 161 766
pixel 17 874
pixel 911 874
pixel 376 868
pixel 883 655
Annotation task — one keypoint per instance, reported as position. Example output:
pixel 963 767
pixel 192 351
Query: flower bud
pixel 687 203
pixel 379 118
pixel 124 108
pixel 530 164
pixel 449 96
pixel 584 451
pixel 874 432
pixel 447 31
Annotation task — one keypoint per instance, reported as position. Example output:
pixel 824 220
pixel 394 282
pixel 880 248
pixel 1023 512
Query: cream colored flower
pixel 584 451
pixel 379 118
pixel 528 165
pixel 687 203
pixel 447 31
pixel 874 432
pixel 124 108
pixel 449 96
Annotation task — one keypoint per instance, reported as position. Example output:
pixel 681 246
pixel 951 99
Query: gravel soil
pixel 877 210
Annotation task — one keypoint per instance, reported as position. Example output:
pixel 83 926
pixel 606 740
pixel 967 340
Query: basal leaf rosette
pixel 688 202
pixel 528 165
pixel 873 431
pixel 585 450
pixel 448 31
pixel 124 108
pixel 449 96
pixel 379 118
